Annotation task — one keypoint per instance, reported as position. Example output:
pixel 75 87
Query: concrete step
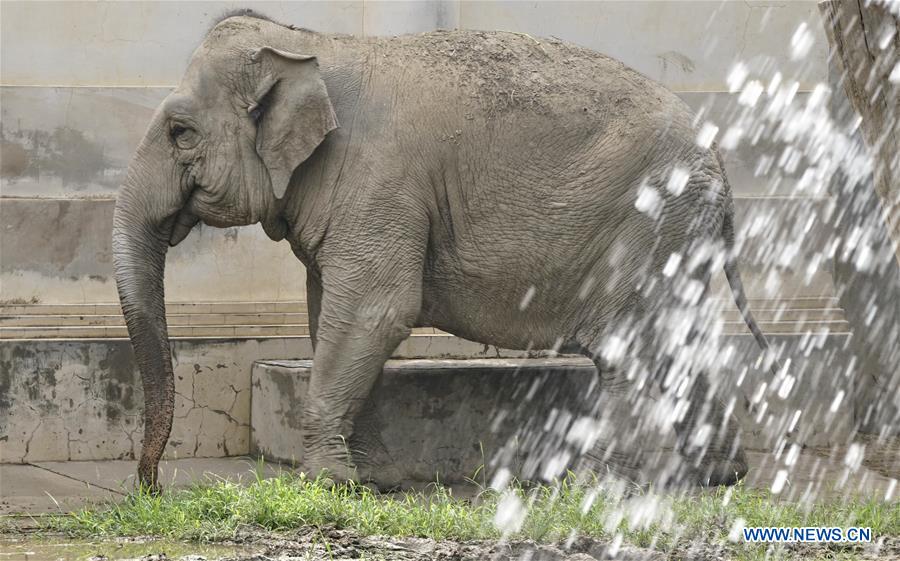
pixel 298 306
pixel 287 330
pixel 300 318
pixel 48 320
pixel 794 303
pixel 250 320
pixel 788 327
pixel 112 332
pixel 113 308
pixel 175 331
pixel 780 314
pixel 428 418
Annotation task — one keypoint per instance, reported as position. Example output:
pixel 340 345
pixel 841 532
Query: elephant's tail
pixel 733 274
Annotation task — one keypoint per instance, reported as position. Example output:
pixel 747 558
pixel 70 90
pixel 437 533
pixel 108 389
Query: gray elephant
pixel 524 193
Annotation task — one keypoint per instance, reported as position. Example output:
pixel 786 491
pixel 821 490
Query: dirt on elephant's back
pixel 505 70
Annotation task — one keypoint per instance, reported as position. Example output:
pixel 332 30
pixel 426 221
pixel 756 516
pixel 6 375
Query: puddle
pixel 49 549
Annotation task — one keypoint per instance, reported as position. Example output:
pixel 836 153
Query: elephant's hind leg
pixel 657 421
pixel 708 435
pixel 708 438
pixel 631 440
pixel 619 404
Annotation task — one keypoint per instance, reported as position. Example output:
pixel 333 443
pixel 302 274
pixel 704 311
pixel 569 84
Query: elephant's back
pixel 483 74
pixel 486 76
pixel 498 72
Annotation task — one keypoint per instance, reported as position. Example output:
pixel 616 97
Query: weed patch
pixel 552 514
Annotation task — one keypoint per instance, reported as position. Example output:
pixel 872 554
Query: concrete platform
pixel 445 419
pixel 428 419
pixel 73 400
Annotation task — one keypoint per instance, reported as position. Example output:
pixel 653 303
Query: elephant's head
pixel 221 148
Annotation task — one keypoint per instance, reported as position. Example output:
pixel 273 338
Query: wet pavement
pixel 56 487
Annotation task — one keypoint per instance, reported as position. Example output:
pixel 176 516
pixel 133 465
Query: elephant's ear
pixel 292 110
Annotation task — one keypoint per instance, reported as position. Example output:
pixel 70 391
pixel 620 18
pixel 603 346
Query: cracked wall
pixel 82 400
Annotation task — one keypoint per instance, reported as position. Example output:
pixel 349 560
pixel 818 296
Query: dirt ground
pixel 323 544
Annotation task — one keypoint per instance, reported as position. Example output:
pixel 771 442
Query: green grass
pixel 216 510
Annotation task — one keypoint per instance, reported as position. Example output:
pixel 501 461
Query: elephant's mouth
pixel 182 225
pixel 272 220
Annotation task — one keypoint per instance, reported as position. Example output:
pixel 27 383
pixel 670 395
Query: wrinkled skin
pixel 435 180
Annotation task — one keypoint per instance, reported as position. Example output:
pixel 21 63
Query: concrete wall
pixel 80 80
pixel 689 45
pixel 72 400
pixel 59 250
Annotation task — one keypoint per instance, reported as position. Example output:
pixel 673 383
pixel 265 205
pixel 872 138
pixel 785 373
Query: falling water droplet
pixel 779 482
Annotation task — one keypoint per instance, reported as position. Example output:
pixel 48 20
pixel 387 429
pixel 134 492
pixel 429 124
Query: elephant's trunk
pixel 144 216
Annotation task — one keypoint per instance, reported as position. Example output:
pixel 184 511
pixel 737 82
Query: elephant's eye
pixel 258 108
pixel 183 137
pixel 255 111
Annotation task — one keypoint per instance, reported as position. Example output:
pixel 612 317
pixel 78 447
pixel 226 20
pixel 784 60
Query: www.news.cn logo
pixel 813 534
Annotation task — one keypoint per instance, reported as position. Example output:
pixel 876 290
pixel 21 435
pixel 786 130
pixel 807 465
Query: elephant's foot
pixel 336 472
pixel 383 478
pixel 331 460
pixel 722 463
pixel 148 476
pixel 379 478
pixel 711 457
pixel 666 469
pixel 716 468
pixel 627 466
pixel 376 467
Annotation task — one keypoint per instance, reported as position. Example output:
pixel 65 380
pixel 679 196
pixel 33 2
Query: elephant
pixel 514 191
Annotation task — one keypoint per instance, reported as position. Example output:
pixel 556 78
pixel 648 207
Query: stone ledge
pixel 428 419
pixel 447 418
pixel 82 400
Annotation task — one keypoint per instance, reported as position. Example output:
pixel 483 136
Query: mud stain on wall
pixel 13 158
pixel 71 142
pixel 65 153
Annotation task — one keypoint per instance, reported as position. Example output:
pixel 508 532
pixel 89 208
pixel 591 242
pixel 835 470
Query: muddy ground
pixel 340 545
pixel 324 544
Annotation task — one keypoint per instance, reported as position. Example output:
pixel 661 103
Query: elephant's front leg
pixel 365 313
